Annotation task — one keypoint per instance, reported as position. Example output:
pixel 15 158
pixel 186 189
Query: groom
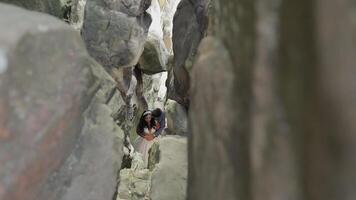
pixel 160 117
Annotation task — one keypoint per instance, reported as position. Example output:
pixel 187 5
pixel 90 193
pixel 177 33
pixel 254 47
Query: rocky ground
pixel 165 177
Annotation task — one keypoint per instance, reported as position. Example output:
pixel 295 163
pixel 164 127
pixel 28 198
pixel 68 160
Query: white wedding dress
pixel 143 146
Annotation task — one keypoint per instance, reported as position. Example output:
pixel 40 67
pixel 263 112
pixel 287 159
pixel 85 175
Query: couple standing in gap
pixel 150 127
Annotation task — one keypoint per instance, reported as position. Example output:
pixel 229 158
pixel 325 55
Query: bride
pixel 146 129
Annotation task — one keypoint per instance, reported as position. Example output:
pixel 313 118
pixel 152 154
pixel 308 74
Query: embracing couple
pixel 150 127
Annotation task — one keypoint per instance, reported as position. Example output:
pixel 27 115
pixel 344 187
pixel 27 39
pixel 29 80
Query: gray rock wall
pixel 58 138
pixel 272 106
pixel 53 7
pixel 129 24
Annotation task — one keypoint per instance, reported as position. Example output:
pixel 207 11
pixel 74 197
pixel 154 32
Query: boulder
pixel 52 7
pixel 91 170
pixel 77 13
pixel 155 54
pixel 155 90
pixel 115 31
pixel 177 118
pixel 169 8
pixel 156 26
pixel 134 182
pixel 169 177
pixel 190 24
pixel 47 81
pixel 212 123
pixel 154 57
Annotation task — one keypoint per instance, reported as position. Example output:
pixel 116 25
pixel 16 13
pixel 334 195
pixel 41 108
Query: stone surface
pixel 156 14
pixel 169 177
pixel 46 82
pixel 190 25
pixel 169 8
pixel 155 54
pixel 53 7
pixel 77 13
pixel 155 90
pixel 134 182
pixel 212 122
pixel 154 57
pixel 115 32
pixel 285 104
pixel 177 118
pixel 91 170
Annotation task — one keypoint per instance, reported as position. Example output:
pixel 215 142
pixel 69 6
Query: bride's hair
pixel 142 124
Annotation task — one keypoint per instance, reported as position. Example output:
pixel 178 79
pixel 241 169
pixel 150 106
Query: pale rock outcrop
pixel 52 7
pixel 155 90
pixel 177 118
pixel 169 175
pixel 115 31
pixel 212 123
pixel 77 13
pixel 134 182
pixel 190 26
pixel 92 168
pixel 156 26
pixel 155 55
pixel 169 8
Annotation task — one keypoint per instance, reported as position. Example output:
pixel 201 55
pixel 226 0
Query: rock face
pixel 177 118
pixel 53 7
pixel 134 182
pixel 281 111
pixel 155 55
pixel 115 31
pixel 29 100
pixel 93 165
pixel 190 24
pixel 169 8
pixel 92 168
pixel 77 13
pixel 211 121
pixel 169 177
pixel 47 81
pixel 154 90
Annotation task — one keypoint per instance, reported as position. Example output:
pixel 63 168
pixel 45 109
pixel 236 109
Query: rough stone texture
pixel 169 177
pixel 77 13
pixel 53 7
pixel 155 90
pixel 212 122
pixel 115 34
pixel 331 137
pixel 177 118
pixel 190 25
pixel 288 109
pixel 169 8
pixel 134 182
pixel 155 54
pixel 91 170
pixel 154 57
pixel 156 26
pixel 47 80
